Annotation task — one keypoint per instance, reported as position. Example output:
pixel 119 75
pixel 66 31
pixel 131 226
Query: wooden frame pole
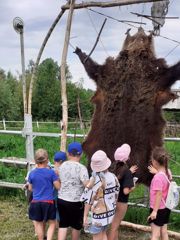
pixel 108 3
pixel 63 79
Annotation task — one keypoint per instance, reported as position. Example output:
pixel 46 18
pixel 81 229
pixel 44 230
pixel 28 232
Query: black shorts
pixel 162 217
pixel 42 211
pixel 71 214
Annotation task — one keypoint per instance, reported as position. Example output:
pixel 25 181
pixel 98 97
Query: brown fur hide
pixel 131 90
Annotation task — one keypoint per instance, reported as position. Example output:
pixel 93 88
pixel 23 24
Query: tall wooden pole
pixel 114 3
pixel 63 79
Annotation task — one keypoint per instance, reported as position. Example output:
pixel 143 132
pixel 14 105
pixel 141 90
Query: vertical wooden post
pixel 37 123
pixel 79 113
pixel 4 123
pixel 63 79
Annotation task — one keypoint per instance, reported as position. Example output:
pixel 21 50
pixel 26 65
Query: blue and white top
pixel 103 200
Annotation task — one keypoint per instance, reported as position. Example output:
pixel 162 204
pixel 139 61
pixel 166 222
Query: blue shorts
pixel 93 229
pixel 42 211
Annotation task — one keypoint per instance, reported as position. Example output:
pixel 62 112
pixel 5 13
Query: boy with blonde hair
pixel 41 182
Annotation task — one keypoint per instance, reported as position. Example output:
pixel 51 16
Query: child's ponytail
pixel 162 157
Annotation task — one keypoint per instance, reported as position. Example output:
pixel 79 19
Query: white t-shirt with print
pixel 72 175
pixel 102 206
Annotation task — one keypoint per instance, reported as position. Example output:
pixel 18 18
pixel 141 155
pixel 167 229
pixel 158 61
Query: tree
pixel 9 101
pixel 46 92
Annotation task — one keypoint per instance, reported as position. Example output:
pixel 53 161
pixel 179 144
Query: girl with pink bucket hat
pixel 100 197
pixel 125 177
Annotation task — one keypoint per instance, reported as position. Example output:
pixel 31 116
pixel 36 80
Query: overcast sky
pixel 38 15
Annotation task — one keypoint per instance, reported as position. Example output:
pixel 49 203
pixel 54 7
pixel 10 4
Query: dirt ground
pixel 15 225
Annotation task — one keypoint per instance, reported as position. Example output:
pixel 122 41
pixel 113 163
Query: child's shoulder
pixel 160 176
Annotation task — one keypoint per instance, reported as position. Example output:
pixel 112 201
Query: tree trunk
pixel 63 79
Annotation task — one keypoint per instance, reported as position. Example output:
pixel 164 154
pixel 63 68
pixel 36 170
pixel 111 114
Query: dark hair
pixel 74 153
pixel 119 168
pixel 160 155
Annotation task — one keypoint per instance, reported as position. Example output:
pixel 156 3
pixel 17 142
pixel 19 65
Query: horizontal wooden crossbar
pixel 174 235
pixel 11 185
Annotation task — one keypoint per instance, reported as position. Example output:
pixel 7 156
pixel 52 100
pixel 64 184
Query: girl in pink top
pixel 159 214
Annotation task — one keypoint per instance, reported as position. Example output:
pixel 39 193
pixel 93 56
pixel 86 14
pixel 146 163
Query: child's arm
pixel 133 168
pixel 30 187
pixel 156 205
pixel 86 211
pixel 127 190
pixel 57 184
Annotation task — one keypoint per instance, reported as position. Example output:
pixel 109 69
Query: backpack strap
pixel 168 182
pixel 165 177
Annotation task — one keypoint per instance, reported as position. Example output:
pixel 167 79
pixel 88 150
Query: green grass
pixel 14 146
pixel 15 224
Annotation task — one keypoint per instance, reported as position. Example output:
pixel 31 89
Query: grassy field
pixel 15 224
pixel 13 219
pixel 14 146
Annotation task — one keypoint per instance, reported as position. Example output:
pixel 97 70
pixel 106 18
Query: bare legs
pixel 75 234
pixel 51 229
pixel 40 229
pixel 121 209
pixel 100 236
pixel 163 232
pixel 159 232
pixel 62 233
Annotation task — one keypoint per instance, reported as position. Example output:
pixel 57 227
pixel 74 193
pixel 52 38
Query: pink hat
pixel 122 153
pixel 99 161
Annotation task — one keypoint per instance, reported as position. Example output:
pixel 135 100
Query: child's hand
pixel 152 216
pixel 25 187
pixel 152 169
pixel 133 168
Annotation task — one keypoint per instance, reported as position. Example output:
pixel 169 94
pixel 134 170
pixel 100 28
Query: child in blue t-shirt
pixel 42 208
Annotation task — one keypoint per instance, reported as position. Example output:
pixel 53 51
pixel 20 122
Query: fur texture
pixel 131 90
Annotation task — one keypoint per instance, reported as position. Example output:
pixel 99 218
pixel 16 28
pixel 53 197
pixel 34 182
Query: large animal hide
pixel 131 90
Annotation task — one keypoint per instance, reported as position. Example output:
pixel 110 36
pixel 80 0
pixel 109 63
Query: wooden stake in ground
pixel 63 79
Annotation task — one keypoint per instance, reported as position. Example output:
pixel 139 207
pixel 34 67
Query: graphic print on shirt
pixel 103 201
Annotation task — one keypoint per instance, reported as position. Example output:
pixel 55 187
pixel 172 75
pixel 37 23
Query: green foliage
pixel 9 97
pixel 172 116
pixel 46 95
pixel 46 101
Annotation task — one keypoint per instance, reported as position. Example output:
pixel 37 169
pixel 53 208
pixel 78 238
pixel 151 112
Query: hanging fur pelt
pixel 131 90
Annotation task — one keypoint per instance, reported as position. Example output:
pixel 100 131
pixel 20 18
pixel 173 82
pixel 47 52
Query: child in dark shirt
pixel 41 182
pixel 125 177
